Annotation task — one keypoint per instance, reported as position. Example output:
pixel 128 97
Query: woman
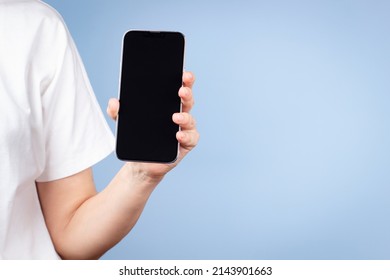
pixel 52 132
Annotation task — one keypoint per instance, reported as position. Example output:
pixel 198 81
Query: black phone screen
pixel 151 76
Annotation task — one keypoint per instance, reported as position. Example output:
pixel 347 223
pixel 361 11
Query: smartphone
pixel 151 76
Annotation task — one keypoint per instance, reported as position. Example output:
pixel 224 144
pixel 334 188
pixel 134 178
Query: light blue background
pixel 292 103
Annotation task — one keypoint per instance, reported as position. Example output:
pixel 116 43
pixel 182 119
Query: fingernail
pixel 179 117
pixel 184 91
pixel 182 136
pixel 186 74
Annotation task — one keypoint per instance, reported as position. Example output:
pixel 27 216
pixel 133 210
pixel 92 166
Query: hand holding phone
pixel 151 76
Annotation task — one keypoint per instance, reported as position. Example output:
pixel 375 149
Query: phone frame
pixel 119 93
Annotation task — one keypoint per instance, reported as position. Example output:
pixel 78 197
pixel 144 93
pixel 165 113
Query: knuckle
pixel 193 122
pixel 188 118
pixel 195 138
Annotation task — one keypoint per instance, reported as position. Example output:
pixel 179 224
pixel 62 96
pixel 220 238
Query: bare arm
pixel 84 224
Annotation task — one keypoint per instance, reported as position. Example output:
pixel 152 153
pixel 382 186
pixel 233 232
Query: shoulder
pixel 33 24
pixel 30 12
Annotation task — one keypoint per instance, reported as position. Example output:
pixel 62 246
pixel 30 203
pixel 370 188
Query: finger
pixel 185 120
pixel 188 139
pixel 187 99
pixel 113 108
pixel 188 79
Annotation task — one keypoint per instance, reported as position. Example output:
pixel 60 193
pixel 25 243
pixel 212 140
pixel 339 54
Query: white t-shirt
pixel 51 125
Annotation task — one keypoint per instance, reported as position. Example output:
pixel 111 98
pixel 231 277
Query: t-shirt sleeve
pixel 76 133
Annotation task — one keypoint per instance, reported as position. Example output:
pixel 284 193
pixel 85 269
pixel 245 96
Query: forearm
pixel 105 218
pixel 84 224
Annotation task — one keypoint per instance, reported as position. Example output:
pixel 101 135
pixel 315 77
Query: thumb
pixel 113 108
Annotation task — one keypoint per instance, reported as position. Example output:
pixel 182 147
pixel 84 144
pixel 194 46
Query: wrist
pixel 140 174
